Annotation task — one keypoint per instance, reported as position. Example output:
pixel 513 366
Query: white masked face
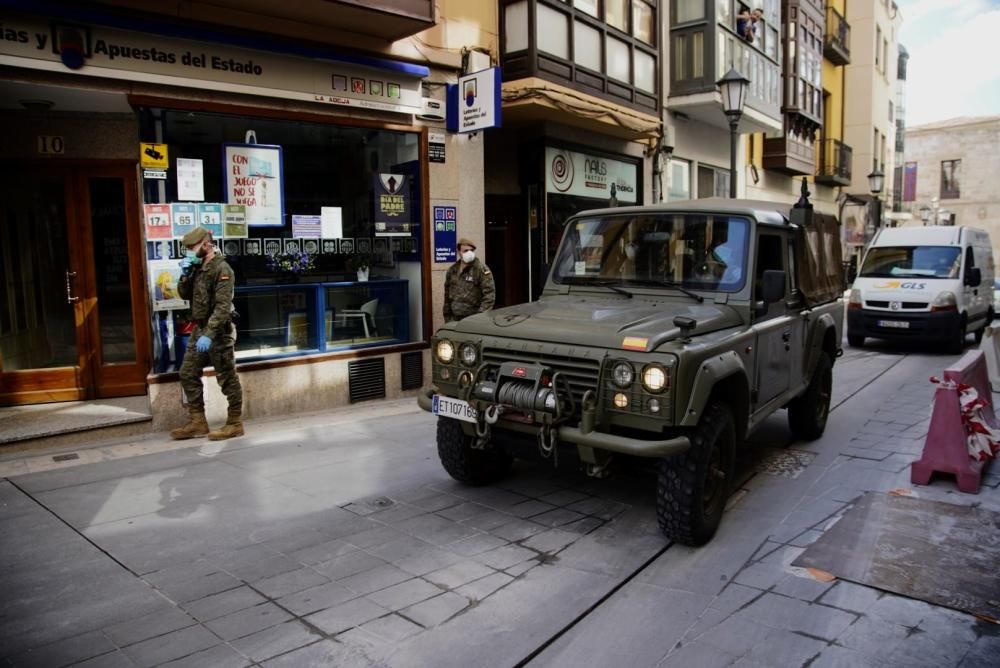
pixel 468 256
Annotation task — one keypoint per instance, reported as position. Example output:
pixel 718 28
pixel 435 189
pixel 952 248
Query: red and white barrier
pixel 964 432
pixel 990 345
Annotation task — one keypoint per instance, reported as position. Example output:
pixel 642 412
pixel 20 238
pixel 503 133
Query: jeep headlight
pixel 622 374
pixel 654 378
pixel 445 351
pixel 468 354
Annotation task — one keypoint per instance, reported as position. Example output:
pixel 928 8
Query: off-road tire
pixel 808 413
pixel 462 462
pixel 692 488
pixel 856 340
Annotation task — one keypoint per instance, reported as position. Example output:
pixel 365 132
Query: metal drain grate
pixel 65 458
pixel 785 463
pixel 366 379
pixel 412 370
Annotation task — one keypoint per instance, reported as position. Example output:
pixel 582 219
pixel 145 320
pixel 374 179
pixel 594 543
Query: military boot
pixel 233 427
pixel 198 426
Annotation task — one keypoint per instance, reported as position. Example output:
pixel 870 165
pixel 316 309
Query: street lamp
pixel 733 87
pixel 875 181
pixel 925 214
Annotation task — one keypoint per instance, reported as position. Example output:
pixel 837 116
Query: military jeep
pixel 664 332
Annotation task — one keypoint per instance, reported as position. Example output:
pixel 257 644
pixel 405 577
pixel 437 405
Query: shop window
pixel 343 198
pixel 951 171
pixel 586 46
pixel 552 31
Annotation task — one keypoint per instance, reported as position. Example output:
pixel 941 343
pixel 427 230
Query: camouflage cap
pixel 195 236
pixel 466 241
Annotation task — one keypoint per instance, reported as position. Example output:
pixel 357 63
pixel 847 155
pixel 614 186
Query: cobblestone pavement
pixel 347 545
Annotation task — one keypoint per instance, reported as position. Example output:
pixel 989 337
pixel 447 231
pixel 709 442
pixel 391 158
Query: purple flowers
pixel 296 262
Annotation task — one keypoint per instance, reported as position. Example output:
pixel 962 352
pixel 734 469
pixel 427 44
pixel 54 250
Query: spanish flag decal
pixel 635 343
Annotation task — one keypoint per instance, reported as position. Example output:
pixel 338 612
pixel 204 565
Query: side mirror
pixel 773 286
pixel 974 277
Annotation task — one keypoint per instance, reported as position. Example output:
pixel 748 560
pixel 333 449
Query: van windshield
pixel 912 262
pixel 701 252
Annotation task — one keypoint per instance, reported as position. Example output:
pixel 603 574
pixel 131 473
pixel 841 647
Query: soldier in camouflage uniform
pixel 468 285
pixel 208 283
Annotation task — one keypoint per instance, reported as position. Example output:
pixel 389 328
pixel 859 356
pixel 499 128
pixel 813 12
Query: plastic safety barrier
pixel 946 449
pixel 990 345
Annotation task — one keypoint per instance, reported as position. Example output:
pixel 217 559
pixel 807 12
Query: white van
pixel 923 283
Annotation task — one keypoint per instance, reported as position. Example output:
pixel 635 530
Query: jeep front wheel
pixel 462 461
pixel 692 488
pixel 807 414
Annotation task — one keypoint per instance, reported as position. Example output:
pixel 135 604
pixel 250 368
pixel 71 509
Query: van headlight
pixel 854 301
pixel 445 351
pixel 654 378
pixel 945 301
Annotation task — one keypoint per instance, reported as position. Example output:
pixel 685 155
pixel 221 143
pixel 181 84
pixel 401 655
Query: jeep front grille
pixel 581 373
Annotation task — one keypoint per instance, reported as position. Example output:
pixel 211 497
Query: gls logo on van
pixel 899 285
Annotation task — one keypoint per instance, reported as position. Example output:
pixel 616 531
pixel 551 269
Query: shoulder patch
pixel 486 272
pixel 223 277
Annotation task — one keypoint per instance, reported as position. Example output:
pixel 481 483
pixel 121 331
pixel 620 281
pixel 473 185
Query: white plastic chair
pixel 366 313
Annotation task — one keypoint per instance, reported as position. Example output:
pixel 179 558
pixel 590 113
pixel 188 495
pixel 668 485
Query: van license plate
pixel 895 324
pixel 453 408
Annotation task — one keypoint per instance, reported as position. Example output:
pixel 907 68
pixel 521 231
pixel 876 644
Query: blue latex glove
pixel 204 343
pixel 186 266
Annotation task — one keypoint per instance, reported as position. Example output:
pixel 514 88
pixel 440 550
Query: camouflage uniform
pixel 210 289
pixel 468 289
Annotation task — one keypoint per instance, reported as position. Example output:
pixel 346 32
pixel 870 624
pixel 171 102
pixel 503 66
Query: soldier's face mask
pixel 468 256
pixel 192 255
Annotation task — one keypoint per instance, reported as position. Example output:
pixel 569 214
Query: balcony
pixel 789 155
pixel 834 163
pixel 837 41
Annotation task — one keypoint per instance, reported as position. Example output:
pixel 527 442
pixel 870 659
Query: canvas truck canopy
pixel 821 267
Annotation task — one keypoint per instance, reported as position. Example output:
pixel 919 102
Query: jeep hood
pixel 594 321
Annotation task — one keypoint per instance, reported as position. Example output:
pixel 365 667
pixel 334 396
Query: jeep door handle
pixel 786 336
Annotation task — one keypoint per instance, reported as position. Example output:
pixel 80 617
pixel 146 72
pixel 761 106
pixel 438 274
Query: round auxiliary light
pixel 653 405
pixel 465 379
pixel 445 351
pixel 654 377
pixel 468 354
pixel 621 400
pixel 445 373
pixel 622 374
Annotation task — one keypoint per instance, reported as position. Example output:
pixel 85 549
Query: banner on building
pixel 583 175
pixel 910 182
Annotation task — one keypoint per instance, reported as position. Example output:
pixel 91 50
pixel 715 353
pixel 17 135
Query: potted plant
pixel 291 265
pixel 360 262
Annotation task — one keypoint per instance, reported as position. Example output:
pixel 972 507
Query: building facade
pixel 949 174
pixel 286 129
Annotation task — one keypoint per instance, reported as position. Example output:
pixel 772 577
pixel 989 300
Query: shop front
pixel 309 169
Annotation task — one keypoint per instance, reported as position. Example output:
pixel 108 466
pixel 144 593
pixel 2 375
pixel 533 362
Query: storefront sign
pixel 136 56
pixel 155 174
pixel 158 221
pixel 234 221
pixel 435 146
pixel 184 216
pixel 583 175
pixel 474 103
pixel 392 205
pixel 190 180
pixel 153 156
pixel 210 217
pixel 445 233
pixel 163 278
pixel 254 178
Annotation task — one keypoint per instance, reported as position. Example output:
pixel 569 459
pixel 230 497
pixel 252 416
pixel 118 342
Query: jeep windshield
pixel 911 262
pixel 691 251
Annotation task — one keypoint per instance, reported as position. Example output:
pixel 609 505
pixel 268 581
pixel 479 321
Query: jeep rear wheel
pixel 462 462
pixel 808 413
pixel 692 488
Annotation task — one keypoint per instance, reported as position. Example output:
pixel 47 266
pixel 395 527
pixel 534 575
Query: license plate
pixel 895 324
pixel 454 408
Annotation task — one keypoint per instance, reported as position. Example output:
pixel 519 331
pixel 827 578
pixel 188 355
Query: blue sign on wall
pixel 445 233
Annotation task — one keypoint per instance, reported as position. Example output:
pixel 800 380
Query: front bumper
pixel 592 439
pixel 922 326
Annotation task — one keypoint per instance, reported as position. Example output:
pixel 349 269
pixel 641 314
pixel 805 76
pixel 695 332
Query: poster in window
pixel 392 205
pixel 157 221
pixel 163 278
pixel 255 179
pixel 272 246
pixel 210 217
pixel 190 180
pixel 234 221
pixel 184 217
